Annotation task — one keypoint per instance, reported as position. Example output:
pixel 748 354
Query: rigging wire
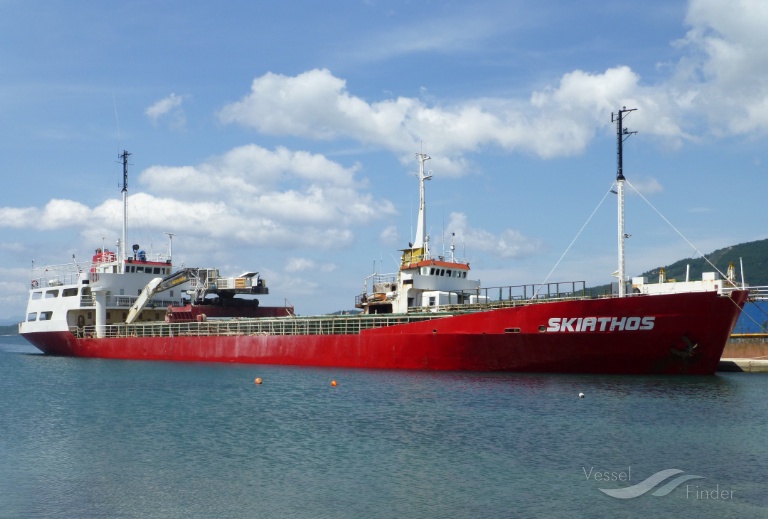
pixel 572 242
pixel 675 229
pixel 684 238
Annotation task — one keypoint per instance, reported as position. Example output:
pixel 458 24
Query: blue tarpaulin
pixel 754 318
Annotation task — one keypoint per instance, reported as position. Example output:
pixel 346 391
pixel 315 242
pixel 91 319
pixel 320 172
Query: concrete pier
pixel 743 365
pixel 745 352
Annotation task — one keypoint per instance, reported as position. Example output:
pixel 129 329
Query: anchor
pixel 688 352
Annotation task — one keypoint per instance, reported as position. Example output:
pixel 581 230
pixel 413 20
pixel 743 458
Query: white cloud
pixel 168 108
pixel 302 264
pixel 298 264
pixel 249 195
pixel 390 235
pixel 275 190
pixel 248 171
pixel 64 213
pixel 724 74
pixel 18 217
pixel 647 185
pixel 555 121
pixel 12 246
pixel 467 30
pixel 509 243
pixel 14 292
pixel 722 78
pixel 55 215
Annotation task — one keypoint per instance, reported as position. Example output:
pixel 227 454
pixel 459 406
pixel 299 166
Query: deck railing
pixel 118 301
pixel 325 325
pixel 341 324
pixel 758 293
pixel 509 295
pixel 57 275
pixel 546 291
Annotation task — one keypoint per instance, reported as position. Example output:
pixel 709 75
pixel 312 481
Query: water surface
pixel 106 438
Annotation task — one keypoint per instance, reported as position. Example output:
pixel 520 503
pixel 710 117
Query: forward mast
pixel 621 135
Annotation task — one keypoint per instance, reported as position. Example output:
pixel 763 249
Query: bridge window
pixel 156 270
pixel 37 295
pixel 32 316
pixel 69 292
pixel 50 294
pixel 46 316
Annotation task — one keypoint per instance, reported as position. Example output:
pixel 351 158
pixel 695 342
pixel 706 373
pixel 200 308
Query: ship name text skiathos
pixel 600 324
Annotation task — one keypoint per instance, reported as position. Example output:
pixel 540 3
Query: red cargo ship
pixel 428 315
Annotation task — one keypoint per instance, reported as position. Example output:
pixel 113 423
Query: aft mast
pixel 621 132
pixel 122 251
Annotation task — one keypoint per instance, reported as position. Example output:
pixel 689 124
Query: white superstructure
pixel 94 294
pixel 100 292
pixel 424 281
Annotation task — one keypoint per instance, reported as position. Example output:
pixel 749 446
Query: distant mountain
pixel 754 256
pixel 11 329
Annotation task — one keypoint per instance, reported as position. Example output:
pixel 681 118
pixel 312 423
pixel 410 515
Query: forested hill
pixel 754 256
pixel 12 329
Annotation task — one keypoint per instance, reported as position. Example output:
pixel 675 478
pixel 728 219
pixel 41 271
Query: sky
pixel 280 137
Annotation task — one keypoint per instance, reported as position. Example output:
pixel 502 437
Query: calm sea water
pixel 96 438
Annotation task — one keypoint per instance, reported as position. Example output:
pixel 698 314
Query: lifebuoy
pixel 80 321
pixel 34 283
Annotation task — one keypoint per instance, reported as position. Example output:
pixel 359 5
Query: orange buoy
pixel 333 383
pixel 257 381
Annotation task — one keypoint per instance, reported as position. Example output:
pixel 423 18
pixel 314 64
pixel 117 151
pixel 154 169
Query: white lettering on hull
pixel 600 324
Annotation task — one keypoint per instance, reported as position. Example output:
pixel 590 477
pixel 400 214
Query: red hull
pixel 671 334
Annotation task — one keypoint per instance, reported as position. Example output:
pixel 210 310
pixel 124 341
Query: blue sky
pixel 280 136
